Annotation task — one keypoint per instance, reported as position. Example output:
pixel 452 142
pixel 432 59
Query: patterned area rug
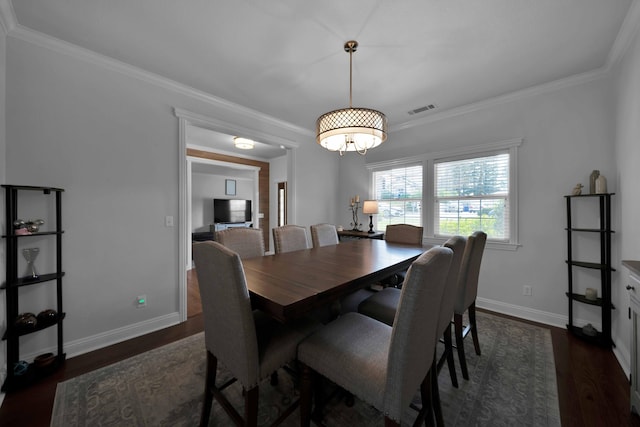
pixel 512 383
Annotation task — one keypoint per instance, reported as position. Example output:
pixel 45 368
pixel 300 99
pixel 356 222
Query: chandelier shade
pixel 351 129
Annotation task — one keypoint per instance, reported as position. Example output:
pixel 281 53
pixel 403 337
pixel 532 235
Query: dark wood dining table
pixel 290 285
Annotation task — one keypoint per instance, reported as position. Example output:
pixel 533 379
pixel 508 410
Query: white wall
pixel 567 133
pixel 109 136
pixel 627 149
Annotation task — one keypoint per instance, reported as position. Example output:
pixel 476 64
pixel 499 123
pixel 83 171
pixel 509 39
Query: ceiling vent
pixel 422 109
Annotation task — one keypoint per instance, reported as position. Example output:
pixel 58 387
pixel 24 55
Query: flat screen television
pixel 229 210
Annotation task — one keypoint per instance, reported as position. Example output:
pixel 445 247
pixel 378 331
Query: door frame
pixel 186 118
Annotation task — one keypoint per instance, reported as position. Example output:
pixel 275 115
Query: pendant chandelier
pixel 351 129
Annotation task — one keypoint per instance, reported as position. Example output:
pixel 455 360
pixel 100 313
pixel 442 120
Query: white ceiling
pixel 285 58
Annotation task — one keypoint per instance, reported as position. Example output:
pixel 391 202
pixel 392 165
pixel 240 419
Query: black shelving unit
pixel 603 337
pixel 13 283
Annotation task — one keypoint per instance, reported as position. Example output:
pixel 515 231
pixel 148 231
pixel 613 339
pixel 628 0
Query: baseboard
pixel 527 313
pixel 95 342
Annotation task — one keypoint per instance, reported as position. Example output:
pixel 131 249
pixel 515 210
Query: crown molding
pixel 9 24
pixel 232 129
pixel 555 85
pixel 31 36
pixel 625 36
pixel 627 31
pixel 8 19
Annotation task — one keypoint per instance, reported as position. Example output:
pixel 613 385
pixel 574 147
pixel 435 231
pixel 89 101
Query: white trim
pixel 521 312
pixel 184 218
pixel 114 336
pixel 23 33
pixel 629 27
pixel 428 159
pixel 7 16
pixel 232 129
pixel 574 80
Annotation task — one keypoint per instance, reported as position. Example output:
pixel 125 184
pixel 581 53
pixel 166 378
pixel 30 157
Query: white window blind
pixel 399 194
pixel 473 194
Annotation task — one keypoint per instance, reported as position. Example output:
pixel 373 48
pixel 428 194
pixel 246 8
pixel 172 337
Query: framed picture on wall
pixel 230 187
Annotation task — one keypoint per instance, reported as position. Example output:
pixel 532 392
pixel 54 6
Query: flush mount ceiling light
pixel 243 143
pixel 351 129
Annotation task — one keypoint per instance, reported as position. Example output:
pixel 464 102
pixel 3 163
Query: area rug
pixel 512 383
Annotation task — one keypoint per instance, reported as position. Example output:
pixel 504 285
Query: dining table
pixel 290 285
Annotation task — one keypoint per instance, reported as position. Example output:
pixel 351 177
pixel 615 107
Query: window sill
pixel 500 246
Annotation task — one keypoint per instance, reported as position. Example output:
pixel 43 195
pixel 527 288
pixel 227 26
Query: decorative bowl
pixel 47 317
pixel 26 321
pixel 44 360
pixel 20 368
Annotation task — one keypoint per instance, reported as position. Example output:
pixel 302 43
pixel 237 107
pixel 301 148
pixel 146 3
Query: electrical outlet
pixel 141 301
pixel 526 290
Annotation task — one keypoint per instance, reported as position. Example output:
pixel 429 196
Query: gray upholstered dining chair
pixel 466 298
pixel 383 365
pixel 246 242
pixel 290 238
pixel 323 235
pixel 250 344
pixel 382 305
pixel 401 233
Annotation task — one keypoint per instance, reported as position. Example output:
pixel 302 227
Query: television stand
pixel 218 226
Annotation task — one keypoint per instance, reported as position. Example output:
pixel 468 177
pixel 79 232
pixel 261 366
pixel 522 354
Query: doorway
pixel 187 119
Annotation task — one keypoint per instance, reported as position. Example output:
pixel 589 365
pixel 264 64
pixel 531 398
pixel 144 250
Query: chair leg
pixel 251 407
pixel 435 394
pixel 448 349
pixel 474 328
pixel 306 394
pixel 388 422
pixel 426 395
pixel 209 384
pixel 457 322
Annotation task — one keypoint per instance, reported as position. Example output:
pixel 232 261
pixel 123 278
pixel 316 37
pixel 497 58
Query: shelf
pixel 26 281
pixel 590 230
pixel 592 265
pixel 598 339
pixel 46 190
pixel 13 282
pixel 38 327
pixel 39 233
pixel 600 206
pixel 581 298
pixel 33 375
pixel 590 195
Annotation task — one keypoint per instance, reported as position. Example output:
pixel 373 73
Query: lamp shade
pixel 351 129
pixel 370 207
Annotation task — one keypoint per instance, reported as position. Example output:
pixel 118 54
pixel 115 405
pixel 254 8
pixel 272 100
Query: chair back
pixel 229 328
pixel 413 337
pixel 404 233
pixel 290 238
pixel 246 242
pixel 469 271
pixel 324 235
pixel 457 245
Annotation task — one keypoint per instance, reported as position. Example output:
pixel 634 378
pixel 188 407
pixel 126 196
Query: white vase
pixel 601 185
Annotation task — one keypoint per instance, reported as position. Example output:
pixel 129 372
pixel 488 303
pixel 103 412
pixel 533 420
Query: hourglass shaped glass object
pixel 30 254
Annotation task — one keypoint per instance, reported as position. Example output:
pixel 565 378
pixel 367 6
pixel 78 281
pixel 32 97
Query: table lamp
pixel 370 207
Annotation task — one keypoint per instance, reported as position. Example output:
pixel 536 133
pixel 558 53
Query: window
pixel 399 194
pixel 465 189
pixel 472 194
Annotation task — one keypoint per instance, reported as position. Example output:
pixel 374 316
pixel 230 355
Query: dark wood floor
pixel 592 388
